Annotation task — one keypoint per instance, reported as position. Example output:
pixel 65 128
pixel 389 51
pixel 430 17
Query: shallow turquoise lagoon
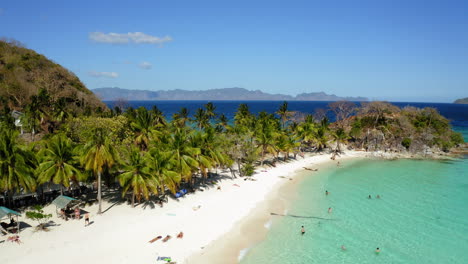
pixel 421 217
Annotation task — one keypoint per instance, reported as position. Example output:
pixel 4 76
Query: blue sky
pixel 385 50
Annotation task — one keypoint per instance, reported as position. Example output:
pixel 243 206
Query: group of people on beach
pixel 330 210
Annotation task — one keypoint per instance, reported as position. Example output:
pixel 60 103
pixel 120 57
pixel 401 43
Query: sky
pixel 384 50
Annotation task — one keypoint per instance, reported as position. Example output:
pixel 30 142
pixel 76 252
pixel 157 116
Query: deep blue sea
pixel 420 217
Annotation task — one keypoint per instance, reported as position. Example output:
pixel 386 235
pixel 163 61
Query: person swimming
pixel 303 230
pixel 378 196
pixel 370 197
pixel 343 247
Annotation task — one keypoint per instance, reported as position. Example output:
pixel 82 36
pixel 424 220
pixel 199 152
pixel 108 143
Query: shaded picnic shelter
pixel 9 213
pixel 63 201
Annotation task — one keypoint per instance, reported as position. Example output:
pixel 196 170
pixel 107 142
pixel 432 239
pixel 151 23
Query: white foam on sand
pixel 123 233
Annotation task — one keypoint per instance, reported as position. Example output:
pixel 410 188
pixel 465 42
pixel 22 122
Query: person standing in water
pixel 370 197
pixel 378 196
pixel 326 192
pixel 377 250
pixel 343 247
pixel 302 230
pixel 330 210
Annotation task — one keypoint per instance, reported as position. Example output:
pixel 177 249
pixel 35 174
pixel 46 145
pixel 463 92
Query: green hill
pixel 461 101
pixel 24 72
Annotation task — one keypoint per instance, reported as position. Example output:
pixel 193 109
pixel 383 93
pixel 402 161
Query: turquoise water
pixel 421 217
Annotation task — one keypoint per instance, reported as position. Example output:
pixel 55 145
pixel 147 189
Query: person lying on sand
pixel 180 235
pixel 166 238
pixel 155 239
pixel 195 208
pixel 237 185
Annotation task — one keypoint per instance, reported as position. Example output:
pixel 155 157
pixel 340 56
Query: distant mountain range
pixel 461 101
pixel 223 94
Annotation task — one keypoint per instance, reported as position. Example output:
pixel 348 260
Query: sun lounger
pixel 166 238
pixel 155 239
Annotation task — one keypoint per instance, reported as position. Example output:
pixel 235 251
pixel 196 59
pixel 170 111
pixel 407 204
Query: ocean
pixel 420 217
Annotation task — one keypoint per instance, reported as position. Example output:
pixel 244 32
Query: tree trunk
pixel 263 156
pixel 99 193
pixel 133 199
pixel 239 167
pixel 233 174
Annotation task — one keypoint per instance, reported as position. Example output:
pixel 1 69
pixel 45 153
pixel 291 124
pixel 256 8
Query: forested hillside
pixel 24 72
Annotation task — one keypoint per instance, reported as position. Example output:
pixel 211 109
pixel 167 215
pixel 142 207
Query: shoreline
pixel 232 246
pixel 121 234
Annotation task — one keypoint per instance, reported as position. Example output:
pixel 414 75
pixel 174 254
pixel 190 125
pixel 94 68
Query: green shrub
pixel 406 142
pixel 38 215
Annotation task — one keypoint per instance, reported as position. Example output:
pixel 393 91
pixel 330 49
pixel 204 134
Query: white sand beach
pixel 121 234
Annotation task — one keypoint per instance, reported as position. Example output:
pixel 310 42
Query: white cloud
pixel 145 65
pixel 104 74
pixel 130 37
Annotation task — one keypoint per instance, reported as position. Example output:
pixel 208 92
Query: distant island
pixel 461 101
pixel 223 94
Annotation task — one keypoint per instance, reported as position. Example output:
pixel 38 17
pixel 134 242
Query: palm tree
pixel 32 116
pixel 162 165
pixel 60 112
pixel 181 117
pixel 210 110
pixel 137 176
pixel 143 126
pixel 184 153
pixel 340 137
pixel 222 123
pixel 201 118
pixel 284 113
pixel 266 134
pixel 58 162
pixel 17 164
pixel 158 116
pixel 97 154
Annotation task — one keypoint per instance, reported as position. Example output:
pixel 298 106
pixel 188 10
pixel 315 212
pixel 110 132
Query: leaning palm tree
pixel 97 154
pixel 137 176
pixel 340 137
pixel 58 162
pixel 17 164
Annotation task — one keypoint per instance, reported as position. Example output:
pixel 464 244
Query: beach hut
pixel 62 202
pixel 9 213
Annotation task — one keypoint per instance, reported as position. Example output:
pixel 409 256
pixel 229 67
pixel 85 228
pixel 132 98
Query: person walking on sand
pixel 302 230
pixel 330 210
pixel 86 219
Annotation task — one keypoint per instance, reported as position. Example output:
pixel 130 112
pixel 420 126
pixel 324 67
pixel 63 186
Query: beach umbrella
pixel 5 211
pixel 8 212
